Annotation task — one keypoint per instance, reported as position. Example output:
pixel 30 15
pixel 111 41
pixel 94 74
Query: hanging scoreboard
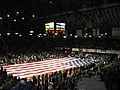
pixel 49 27
pixel 55 28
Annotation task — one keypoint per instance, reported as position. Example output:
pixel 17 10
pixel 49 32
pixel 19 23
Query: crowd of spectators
pixel 60 80
pixel 34 44
pixel 111 76
pixel 31 57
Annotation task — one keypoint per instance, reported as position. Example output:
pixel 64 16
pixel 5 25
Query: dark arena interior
pixel 59 44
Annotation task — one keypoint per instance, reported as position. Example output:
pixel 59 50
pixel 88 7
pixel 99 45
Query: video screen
pixel 60 26
pixel 49 26
pixel 55 28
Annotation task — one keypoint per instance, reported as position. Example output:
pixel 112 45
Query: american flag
pixel 26 70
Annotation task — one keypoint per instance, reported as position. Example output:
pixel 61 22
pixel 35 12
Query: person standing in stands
pixel 46 82
pixel 42 81
pixel 34 80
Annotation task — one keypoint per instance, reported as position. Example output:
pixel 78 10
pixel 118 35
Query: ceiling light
pixel 40 34
pixel 64 36
pixel 8 34
pixel 76 36
pixel 0 34
pixel 50 1
pixel 85 36
pixel 20 35
pixel 0 17
pixel 23 18
pixel 90 36
pixel 33 15
pixel 14 20
pixel 17 12
pixel 16 33
pixel 8 15
pixel 31 34
pixel 105 33
pixel 44 34
pixel 99 36
pixel 31 31
pixel 70 34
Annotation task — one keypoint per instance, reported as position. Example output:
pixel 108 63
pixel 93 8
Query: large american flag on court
pixel 26 70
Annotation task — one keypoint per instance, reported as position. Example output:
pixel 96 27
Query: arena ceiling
pixel 47 7
pixel 75 13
